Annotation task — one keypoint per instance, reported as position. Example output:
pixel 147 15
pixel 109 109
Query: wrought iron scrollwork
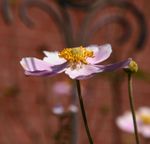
pixel 79 4
pixel 26 4
pixel 120 19
pixel 139 18
pixel 62 18
pixel 6 12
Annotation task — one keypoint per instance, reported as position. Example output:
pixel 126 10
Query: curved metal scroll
pixel 23 11
pixel 139 17
pixel 61 19
pixel 6 12
pixel 79 4
pixel 109 19
pixel 92 9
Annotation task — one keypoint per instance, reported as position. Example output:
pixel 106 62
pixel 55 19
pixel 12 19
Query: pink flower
pixel 77 63
pixel 61 88
pixel 125 122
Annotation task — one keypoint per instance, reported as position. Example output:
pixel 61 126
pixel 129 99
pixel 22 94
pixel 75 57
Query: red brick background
pixel 26 102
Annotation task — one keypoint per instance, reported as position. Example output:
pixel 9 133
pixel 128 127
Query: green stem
pixel 132 107
pixel 83 112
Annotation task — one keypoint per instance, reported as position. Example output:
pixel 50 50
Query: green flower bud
pixel 132 68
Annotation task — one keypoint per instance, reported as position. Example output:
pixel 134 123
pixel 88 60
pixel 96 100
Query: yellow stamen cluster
pixel 145 118
pixel 77 55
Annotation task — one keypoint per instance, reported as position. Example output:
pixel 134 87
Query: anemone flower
pixel 125 122
pixel 77 63
pixel 60 110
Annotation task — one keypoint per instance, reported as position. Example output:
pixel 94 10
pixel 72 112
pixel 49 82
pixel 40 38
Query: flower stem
pixel 83 112
pixel 132 107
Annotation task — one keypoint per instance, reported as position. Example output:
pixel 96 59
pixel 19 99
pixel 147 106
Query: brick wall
pixel 26 102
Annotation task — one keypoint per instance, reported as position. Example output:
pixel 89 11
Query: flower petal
pixel 73 108
pixel 145 131
pixel 40 73
pixel 33 64
pixel 84 71
pixel 101 53
pixel 144 111
pixel 125 122
pixel 53 59
pixel 115 66
pixel 105 68
pixel 62 88
pixel 58 109
pixel 37 67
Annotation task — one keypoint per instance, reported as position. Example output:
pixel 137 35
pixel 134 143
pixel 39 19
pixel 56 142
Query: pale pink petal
pixel 73 108
pixel 106 68
pixel 33 64
pixel 125 123
pixel 40 73
pixel 58 110
pixel 53 58
pixel 144 111
pixel 62 88
pixel 114 66
pixel 101 53
pixel 37 67
pixel 55 70
pixel 145 131
pixel 84 70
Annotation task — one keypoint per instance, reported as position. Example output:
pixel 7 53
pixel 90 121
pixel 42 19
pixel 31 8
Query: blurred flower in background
pixel 61 88
pixel 125 122
pixel 59 110
pixel 66 123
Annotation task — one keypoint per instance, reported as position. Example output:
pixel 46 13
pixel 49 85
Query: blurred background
pixel 45 110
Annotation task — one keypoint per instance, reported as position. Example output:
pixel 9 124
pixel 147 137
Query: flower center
pixel 145 118
pixel 77 55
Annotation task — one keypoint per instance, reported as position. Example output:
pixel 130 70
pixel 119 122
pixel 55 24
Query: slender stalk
pixel 132 107
pixel 83 112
